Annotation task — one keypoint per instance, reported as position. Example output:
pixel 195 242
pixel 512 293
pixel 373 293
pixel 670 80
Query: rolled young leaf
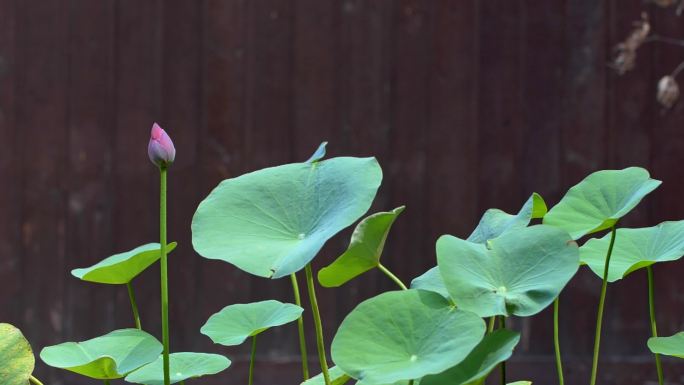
pixel 364 250
pixel 274 221
pixel 598 201
pixel 16 356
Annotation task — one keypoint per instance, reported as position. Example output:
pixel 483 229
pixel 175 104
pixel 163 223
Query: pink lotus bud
pixel 160 149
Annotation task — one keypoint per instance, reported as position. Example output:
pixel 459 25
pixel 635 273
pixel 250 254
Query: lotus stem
pixel 502 325
pixel 251 360
pixel 320 345
pixel 392 277
pixel 602 301
pixel 410 382
pixel 300 327
pixel 556 341
pixel 34 380
pixel 654 329
pixel 164 274
pixel 106 382
pixel 134 306
pixel 492 322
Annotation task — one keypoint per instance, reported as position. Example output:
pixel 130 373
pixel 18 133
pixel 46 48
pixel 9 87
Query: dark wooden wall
pixel 467 104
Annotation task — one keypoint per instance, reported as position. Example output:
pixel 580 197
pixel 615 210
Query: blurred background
pixel 467 105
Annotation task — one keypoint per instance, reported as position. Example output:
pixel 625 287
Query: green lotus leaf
pixel 415 382
pixel 519 273
pixel 598 201
pixel 108 357
pixel 520 383
pixel 182 366
pixel 120 269
pixel 635 249
pixel 494 348
pixel 364 251
pixel 337 377
pixel 16 357
pixel 235 323
pixel 274 221
pixel 404 335
pixel 432 281
pixel 495 222
pixel 669 346
pixel 318 154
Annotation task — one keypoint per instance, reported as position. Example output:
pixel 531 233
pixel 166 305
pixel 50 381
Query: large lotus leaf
pixel 182 366
pixel 519 273
pixel 107 357
pixel 598 201
pixel 337 377
pixel 364 251
pixel 404 335
pixel 16 357
pixel 635 249
pixel 669 346
pixel 235 323
pixel 274 221
pixel 432 281
pixel 495 222
pixel 494 348
pixel 122 268
pixel 405 382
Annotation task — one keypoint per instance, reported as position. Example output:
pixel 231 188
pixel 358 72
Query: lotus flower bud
pixel 160 149
pixel 668 91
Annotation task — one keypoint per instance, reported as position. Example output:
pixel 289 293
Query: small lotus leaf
pixel 519 273
pixel 600 200
pixel 635 249
pixel 669 346
pixel 16 357
pixel 274 221
pixel 404 335
pixel 364 251
pixel 120 269
pixel 337 377
pixel 318 154
pixel 495 222
pixel 494 348
pixel 520 383
pixel 182 366
pixel 432 281
pixel 235 323
pixel 107 357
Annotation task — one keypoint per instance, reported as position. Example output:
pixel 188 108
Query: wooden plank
pixel 543 82
pixel 181 111
pixel 42 65
pixel 138 104
pixel 91 123
pixel 406 170
pixel 583 142
pixel 10 171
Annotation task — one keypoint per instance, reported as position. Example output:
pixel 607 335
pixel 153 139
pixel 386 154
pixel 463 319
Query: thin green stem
pixel 34 380
pixel 300 327
pixel 164 275
pixel 134 306
pixel 106 382
pixel 654 329
pixel 251 360
pixel 602 301
pixel 556 341
pixel 320 345
pixel 492 322
pixel 410 382
pixel 502 325
pixel 392 277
